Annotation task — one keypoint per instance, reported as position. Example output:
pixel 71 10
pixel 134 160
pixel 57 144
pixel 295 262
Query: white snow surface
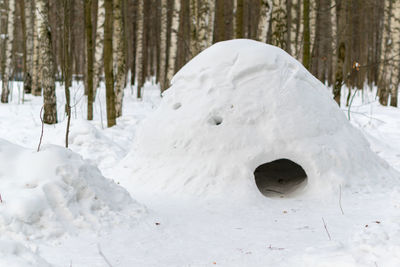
pixel 361 213
pixel 240 104
pixel 52 192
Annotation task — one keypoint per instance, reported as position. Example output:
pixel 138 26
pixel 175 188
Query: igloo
pixel 244 118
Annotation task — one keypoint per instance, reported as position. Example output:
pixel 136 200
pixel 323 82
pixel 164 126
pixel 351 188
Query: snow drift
pixel 13 254
pixel 240 104
pixel 48 193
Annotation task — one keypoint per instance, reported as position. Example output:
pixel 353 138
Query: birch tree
pixel 163 45
pixel 9 45
pixel 264 21
pixel 386 81
pixel 119 50
pixel 140 72
pixel 98 55
pixel 201 18
pixel 47 68
pixel 36 85
pixel 210 21
pixel 174 41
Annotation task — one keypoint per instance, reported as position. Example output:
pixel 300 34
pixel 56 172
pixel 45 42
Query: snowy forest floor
pixel 194 232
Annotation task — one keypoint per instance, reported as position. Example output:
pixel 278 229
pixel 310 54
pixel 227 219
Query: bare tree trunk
pixel 120 57
pixel 306 34
pixel 140 72
pixel 218 34
pixel 108 63
pixel 386 77
pixel 204 19
pixel 194 23
pixel 340 50
pixel 9 45
pixel 25 36
pixel 297 32
pixel 174 41
pixel 134 42
pixel 321 65
pixel 239 19
pixel 36 81
pixel 163 45
pixel 47 69
pixel 289 26
pixel 228 19
pixel 67 64
pixel 211 20
pixel 264 21
pixel 98 55
pixel 89 56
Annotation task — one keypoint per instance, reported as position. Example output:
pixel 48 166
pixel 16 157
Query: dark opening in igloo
pixel 279 177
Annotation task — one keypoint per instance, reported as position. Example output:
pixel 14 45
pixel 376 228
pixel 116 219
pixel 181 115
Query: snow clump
pixel 48 193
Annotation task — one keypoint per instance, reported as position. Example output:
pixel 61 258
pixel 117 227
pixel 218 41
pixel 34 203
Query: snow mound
pixel 48 193
pixel 13 254
pixel 240 104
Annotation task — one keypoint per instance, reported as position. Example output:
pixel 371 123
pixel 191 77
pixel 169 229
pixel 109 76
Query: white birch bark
pixel 163 44
pixel 119 57
pixel 47 74
pixel 194 27
pixel 36 86
pixel 265 19
pixel 98 54
pixel 204 19
pixel 139 48
pixel 210 21
pixel 174 41
pixel 9 44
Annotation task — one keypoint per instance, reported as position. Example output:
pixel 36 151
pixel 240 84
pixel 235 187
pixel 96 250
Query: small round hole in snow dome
pixel 280 177
pixel 215 120
pixel 177 106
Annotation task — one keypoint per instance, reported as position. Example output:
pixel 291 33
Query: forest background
pixel 352 43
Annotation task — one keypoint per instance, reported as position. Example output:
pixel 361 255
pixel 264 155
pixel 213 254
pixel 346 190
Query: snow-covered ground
pixel 71 208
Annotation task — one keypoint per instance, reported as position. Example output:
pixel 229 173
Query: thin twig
pixel 41 134
pixel 351 101
pixel 340 198
pixel 102 255
pixel 326 229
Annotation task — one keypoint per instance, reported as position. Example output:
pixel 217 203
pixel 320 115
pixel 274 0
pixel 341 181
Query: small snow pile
pixel 13 254
pixel 47 193
pixel 240 104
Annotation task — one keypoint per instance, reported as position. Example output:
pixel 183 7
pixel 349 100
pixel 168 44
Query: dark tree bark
pixel 239 19
pixel 306 34
pixel 67 62
pixel 89 57
pixel 322 51
pixel 108 63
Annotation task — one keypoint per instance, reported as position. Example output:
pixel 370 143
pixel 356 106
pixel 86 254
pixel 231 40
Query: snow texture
pixel 48 193
pixel 13 254
pixel 240 104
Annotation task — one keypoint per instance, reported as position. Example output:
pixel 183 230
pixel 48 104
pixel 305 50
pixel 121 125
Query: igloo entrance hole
pixel 280 177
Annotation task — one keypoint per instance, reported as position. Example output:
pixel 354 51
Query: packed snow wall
pixel 240 104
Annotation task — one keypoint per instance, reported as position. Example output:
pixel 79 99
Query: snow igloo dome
pixel 244 118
